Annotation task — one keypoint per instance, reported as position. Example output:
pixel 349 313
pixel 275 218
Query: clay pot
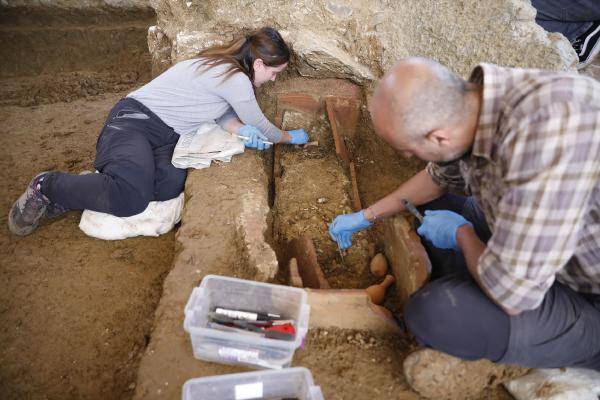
pixel 377 292
pixel 379 265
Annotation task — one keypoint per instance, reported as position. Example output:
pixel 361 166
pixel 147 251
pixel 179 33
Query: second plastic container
pixel 296 383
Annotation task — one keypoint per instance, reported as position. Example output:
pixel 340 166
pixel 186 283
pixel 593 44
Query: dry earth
pixel 75 312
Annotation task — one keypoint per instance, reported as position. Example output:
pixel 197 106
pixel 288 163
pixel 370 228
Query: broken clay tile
pixel 340 146
pixel 320 87
pixel 339 88
pixel 294 279
pixel 302 102
pixel 345 112
pixel 408 258
pixel 348 309
pixel 303 250
pixel 356 203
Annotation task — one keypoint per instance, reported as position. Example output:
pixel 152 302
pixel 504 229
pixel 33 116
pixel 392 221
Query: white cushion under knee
pixel 158 218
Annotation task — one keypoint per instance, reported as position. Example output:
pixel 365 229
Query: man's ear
pixel 438 137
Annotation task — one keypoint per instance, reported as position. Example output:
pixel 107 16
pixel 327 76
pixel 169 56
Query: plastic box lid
pixel 268 384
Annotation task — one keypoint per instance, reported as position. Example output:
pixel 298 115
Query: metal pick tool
pixel 412 209
pixel 341 253
pixel 340 249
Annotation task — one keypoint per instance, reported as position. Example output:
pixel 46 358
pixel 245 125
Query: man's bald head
pixel 415 97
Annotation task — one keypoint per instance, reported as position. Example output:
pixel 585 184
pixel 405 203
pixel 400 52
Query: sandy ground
pixel 75 312
pixel 73 325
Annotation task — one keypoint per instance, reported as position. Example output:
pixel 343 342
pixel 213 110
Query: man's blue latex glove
pixel 299 136
pixel 440 226
pixel 343 226
pixel 254 138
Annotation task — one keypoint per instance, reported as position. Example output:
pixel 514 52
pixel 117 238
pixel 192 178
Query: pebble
pixel 122 254
pixel 322 200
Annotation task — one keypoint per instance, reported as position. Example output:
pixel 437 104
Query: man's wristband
pixel 370 215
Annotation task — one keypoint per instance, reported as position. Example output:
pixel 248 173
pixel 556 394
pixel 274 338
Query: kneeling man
pixel 516 253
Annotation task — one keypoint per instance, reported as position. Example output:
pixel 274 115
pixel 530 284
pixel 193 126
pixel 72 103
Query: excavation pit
pixel 78 314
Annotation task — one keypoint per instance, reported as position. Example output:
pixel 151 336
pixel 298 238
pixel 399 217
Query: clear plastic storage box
pixel 236 348
pixel 294 383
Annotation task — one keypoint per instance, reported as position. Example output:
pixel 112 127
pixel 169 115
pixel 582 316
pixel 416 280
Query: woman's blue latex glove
pixel 440 226
pixel 254 139
pixel 299 136
pixel 343 226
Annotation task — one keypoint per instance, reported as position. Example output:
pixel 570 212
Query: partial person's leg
pixel 133 156
pixel 578 20
pixel 125 161
pixel 564 331
pixel 569 17
pixel 124 184
pixel 453 315
pixel 169 181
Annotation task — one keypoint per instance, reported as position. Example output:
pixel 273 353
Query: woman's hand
pixel 298 136
pixel 253 138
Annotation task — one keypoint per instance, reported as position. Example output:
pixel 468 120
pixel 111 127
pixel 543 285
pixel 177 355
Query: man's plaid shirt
pixel 534 169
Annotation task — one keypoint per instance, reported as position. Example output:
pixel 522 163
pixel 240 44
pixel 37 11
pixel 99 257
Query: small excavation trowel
pixel 410 207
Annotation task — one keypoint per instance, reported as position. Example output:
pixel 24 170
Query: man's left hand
pixel 440 226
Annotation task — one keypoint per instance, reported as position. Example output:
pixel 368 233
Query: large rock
pixel 359 39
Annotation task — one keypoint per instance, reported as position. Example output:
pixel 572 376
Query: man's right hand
pixel 343 226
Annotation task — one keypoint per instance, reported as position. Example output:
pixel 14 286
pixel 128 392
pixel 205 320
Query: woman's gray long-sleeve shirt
pixel 184 98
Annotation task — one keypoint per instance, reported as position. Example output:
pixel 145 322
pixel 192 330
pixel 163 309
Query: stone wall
pixel 359 39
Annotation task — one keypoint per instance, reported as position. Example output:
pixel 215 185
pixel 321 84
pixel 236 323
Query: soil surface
pixel 350 364
pixel 65 87
pixel 75 312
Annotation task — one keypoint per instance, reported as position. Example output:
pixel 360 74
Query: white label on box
pixel 249 391
pixel 238 354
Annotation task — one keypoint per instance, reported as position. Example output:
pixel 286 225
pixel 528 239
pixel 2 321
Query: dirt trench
pixel 312 185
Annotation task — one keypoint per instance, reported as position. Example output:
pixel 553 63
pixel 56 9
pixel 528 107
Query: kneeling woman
pixel 134 150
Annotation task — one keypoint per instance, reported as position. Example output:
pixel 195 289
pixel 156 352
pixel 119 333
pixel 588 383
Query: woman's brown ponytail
pixel 240 54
